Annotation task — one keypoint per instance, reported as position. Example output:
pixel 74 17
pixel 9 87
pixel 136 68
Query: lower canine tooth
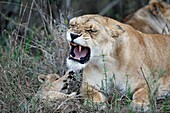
pixel 74 57
pixel 77 58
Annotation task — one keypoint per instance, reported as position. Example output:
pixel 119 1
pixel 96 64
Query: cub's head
pixel 91 36
pixel 50 82
pixel 53 82
pixel 54 87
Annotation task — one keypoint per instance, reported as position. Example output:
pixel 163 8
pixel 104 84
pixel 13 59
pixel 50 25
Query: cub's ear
pixel 117 30
pixel 156 7
pixel 42 78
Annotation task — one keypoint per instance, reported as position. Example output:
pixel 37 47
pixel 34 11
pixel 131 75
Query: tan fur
pixel 51 87
pixel 119 49
pixel 153 18
pixel 119 55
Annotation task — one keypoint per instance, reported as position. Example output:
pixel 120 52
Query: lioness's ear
pixel 117 30
pixel 42 78
pixel 156 7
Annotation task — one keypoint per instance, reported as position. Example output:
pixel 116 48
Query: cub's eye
pixel 56 78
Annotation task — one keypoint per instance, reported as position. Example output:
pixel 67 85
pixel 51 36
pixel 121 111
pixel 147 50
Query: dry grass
pixel 27 51
pixel 21 61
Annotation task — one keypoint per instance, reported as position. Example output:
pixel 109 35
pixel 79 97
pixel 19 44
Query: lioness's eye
pixel 91 30
pixel 71 26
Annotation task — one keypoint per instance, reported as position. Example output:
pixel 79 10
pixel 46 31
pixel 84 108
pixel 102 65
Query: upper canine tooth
pixel 73 44
pixel 71 56
pixel 80 48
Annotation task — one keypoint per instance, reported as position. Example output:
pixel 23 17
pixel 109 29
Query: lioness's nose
pixel 74 36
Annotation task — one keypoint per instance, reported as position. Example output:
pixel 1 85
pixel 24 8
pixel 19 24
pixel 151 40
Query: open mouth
pixel 79 53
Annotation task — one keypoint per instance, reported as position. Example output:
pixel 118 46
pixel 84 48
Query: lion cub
pixel 55 87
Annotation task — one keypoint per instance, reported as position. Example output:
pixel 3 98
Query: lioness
pixel 105 48
pixel 153 18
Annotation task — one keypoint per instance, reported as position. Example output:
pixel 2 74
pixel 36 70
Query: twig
pixel 29 17
pixel 42 17
pixel 149 89
pixel 16 4
pixel 14 22
pixel 108 7
pixel 151 99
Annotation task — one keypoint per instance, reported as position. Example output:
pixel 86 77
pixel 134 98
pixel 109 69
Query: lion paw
pixel 139 107
pixel 140 100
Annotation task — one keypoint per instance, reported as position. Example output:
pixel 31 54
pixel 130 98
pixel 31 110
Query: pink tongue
pixel 80 54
